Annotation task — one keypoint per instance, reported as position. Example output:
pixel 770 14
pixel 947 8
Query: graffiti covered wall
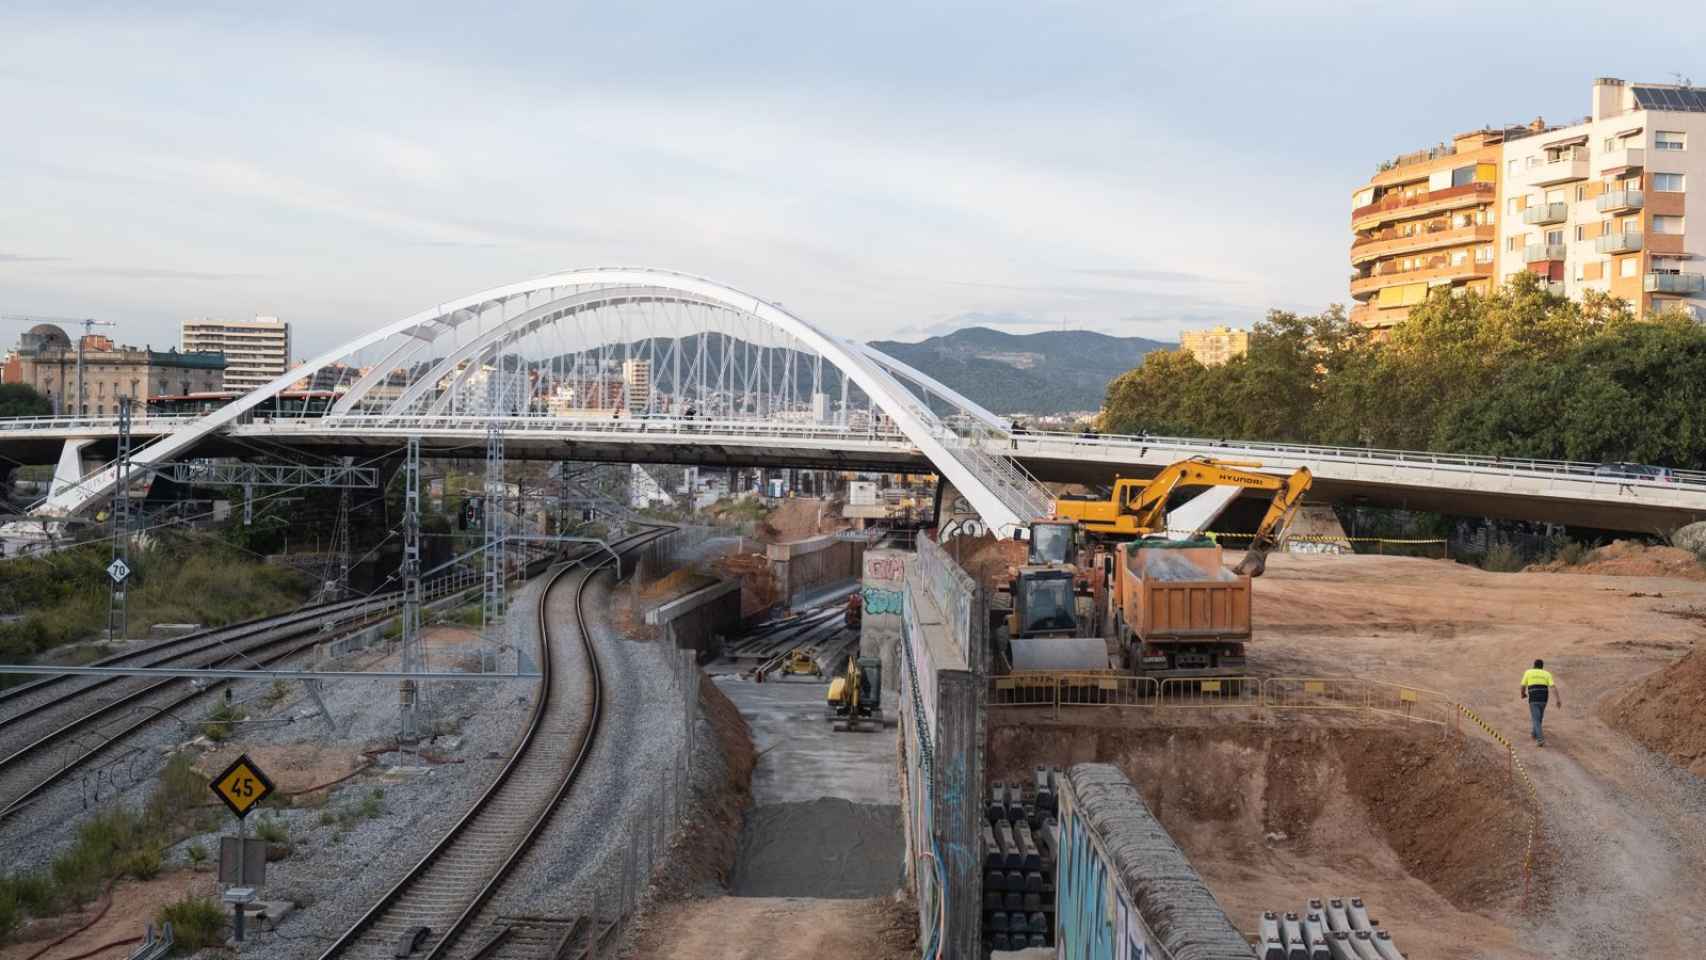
pixel 1123 888
pixel 881 589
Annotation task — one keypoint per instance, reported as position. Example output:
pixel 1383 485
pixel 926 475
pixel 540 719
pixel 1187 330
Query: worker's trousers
pixel 1537 711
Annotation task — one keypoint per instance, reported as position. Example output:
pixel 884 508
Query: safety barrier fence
pixel 1519 775
pixel 1110 689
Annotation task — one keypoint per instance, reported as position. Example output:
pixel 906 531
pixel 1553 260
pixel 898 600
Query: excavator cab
pixel 1053 542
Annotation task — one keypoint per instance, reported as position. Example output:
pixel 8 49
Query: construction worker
pixel 1538 688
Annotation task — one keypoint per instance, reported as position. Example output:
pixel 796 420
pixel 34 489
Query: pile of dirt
pixel 705 859
pixel 1301 796
pixel 1666 712
pixel 758 588
pixel 798 518
pixel 677 583
pixel 1630 558
pixel 985 558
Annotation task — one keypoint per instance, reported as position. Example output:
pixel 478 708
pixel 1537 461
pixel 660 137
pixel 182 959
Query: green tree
pixel 22 400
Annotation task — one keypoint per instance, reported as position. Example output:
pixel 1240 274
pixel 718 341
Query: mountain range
pixel 1037 373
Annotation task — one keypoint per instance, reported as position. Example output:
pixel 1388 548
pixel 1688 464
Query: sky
pixel 890 170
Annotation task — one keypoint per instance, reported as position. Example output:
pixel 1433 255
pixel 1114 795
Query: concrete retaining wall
pixel 814 562
pixel 700 620
pixel 1123 888
pixel 942 687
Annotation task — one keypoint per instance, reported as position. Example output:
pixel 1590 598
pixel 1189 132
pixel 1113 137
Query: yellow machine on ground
pixel 1138 508
pixel 856 694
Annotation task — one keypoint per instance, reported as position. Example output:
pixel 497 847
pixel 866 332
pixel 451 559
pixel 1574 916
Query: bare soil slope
pixel 1625 867
pixel 1666 713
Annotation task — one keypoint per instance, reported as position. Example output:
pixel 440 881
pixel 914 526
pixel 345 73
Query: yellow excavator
pixel 856 694
pixel 1138 508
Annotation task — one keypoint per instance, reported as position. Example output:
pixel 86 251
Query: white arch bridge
pixel 647 365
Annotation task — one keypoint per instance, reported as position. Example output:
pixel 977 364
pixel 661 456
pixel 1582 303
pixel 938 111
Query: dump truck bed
pixel 1171 593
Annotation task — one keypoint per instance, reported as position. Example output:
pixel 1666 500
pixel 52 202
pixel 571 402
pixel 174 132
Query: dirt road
pixel 1624 837
pixel 778 928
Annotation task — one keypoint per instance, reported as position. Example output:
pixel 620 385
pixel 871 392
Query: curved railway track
pixel 450 888
pixel 71 724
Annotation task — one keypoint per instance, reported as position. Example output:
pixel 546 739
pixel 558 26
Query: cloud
pixel 1146 276
pixel 20 258
pixel 156 273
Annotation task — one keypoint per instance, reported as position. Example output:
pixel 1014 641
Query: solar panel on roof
pixel 1689 99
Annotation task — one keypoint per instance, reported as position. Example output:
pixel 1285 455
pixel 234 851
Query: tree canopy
pixel 1518 373
pixel 22 400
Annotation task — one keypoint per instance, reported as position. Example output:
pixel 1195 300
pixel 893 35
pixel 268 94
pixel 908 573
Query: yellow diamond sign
pixel 242 786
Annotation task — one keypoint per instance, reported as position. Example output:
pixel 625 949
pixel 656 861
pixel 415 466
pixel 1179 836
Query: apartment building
pixel 1594 205
pixel 1215 346
pixel 1427 219
pixel 1602 204
pixel 255 350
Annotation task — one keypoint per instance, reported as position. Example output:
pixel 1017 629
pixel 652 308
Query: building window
pixel 1555 196
pixel 1484 253
pixel 1667 224
pixel 1510 168
pixel 1513 206
pixel 1459 257
pixel 1669 140
pixel 1581 234
pixel 1666 265
pixel 1513 244
pixel 1581 192
pixel 1668 182
pixel 1610 144
pixel 1554 237
pixel 1629 266
pixel 1633 183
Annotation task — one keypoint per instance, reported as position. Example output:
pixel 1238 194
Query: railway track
pixel 449 892
pixel 51 729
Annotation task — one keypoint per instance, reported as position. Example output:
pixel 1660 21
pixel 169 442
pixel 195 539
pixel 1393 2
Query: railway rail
pixel 445 897
pixel 55 726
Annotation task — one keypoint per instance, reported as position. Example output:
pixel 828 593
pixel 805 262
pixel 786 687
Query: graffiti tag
pixel 879 601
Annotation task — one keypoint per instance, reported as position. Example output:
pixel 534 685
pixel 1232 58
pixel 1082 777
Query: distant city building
pixel 1595 205
pixel 46 359
pixel 256 351
pixel 1215 346
pixel 637 377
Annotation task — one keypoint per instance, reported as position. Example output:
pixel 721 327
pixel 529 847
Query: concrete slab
pixel 800 755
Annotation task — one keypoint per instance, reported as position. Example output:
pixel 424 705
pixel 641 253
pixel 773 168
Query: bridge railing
pixel 613 425
pixel 1570 469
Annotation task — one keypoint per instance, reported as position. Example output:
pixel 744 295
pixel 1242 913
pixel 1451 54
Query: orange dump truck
pixel 1177 610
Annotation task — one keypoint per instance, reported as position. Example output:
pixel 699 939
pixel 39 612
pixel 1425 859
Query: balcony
pixel 1687 284
pixel 1433 234
pixel 1618 243
pixel 1619 201
pixel 1437 270
pixel 1536 252
pixel 1553 172
pixel 1619 161
pixel 1430 201
pixel 1554 287
pixel 1546 213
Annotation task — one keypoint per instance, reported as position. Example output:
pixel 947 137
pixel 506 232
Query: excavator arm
pixel 1287 498
pixel 1139 507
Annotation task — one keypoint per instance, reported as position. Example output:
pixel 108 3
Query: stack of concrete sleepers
pixel 1020 839
pixel 1170 896
pixel 1334 930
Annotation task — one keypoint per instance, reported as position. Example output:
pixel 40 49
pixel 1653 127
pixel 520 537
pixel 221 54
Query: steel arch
pixel 856 362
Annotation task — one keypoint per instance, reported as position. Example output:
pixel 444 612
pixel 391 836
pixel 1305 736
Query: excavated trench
pixel 1273 815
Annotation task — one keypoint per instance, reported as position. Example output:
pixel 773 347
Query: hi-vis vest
pixel 1536 677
